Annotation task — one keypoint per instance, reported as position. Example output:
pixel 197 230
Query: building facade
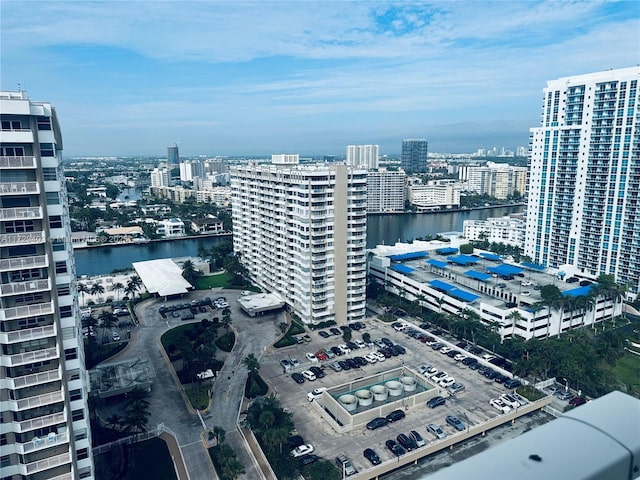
pixel 436 194
pixel 173 156
pixel 583 212
pixel 301 232
pixel 45 430
pixel 386 192
pixel 509 230
pixel 499 180
pixel 415 153
pixel 160 178
pixel 363 156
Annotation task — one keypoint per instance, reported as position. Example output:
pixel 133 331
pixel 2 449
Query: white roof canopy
pixel 162 276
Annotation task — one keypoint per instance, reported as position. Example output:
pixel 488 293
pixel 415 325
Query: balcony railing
pixel 28 334
pixel 18 162
pixel 27 238
pixel 19 187
pixel 20 263
pixel 37 401
pixel 16 288
pixel 39 443
pixel 20 213
pixel 48 463
pixel 41 422
pixel 26 311
pixel 34 379
pixel 28 357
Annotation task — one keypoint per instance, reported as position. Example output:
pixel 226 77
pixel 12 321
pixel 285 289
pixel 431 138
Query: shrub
pixel 226 342
pixel 255 386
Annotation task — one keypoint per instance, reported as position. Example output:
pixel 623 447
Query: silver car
pixel 436 430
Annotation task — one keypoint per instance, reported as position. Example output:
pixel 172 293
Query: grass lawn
pixel 627 371
pixel 530 393
pixel 213 281
pixel 198 397
pixel 173 335
pixel 151 460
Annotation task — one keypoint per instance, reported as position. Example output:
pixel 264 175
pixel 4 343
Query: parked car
pixel 285 364
pixel 294 362
pixel 360 361
pixel 337 352
pixel 320 355
pixel 345 465
pixel 317 371
pixel 316 393
pixel 455 422
pixel 509 400
pixel 577 401
pixel 307 460
pixel 352 363
pixel 424 367
pixel 459 357
pixel 377 423
pixel 436 402
pixel 445 350
pixel 407 442
pixel 298 378
pixel 371 358
pixel 468 361
pixel 379 356
pixel 335 331
pixel 399 349
pixel 417 438
pixel 360 343
pixel 499 405
pixel 456 387
pixel 335 366
pixel 311 357
pixel 295 441
pixel 329 353
pixel 436 430
pixel 564 395
pixel 396 449
pixel 115 336
pixel 439 376
pixel 302 450
pixel 395 416
pixel 387 342
pixel 345 365
pixel 446 382
pixel 323 334
pixel 512 383
pixel 372 456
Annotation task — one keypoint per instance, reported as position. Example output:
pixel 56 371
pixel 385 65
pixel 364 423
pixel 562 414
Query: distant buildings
pixel 509 230
pixel 499 180
pixel 173 156
pixel 363 156
pixel 386 191
pixel 191 169
pixel 414 155
pixel 301 232
pixel 45 432
pixel 171 227
pixel 583 213
pixel 435 195
pixel 160 177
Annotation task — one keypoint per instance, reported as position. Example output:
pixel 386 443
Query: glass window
pixel 49 173
pixel 79 415
pixel 66 312
pixel 70 354
pixel 55 221
pixel 44 123
pixel 61 267
pixel 46 150
pixel 53 198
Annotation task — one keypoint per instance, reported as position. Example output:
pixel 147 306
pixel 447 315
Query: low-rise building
pixel 207 225
pixel 172 227
pixel 435 195
pixel 509 230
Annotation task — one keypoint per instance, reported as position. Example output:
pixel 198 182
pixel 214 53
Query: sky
pixel 129 78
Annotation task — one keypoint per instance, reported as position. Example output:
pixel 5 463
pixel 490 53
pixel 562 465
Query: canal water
pixel 381 229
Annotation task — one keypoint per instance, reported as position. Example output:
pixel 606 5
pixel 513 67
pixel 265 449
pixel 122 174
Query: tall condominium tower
pixel 301 232
pixel 386 191
pixel 414 155
pixel 44 433
pixel 584 189
pixel 173 156
pixel 363 156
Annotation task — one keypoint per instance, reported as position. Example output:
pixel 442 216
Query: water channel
pixel 381 229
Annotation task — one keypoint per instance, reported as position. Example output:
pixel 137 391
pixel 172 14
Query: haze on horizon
pixel 248 78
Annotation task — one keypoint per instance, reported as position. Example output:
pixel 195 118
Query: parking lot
pixel 470 405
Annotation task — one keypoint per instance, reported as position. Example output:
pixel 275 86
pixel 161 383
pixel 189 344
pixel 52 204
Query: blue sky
pixel 249 78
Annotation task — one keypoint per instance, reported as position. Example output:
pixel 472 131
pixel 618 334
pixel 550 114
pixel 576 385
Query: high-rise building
pixel 583 210
pixel 173 156
pixel 300 230
pixel 415 155
pixel 45 431
pixel 386 191
pixel 160 178
pixel 363 156
pixel 495 179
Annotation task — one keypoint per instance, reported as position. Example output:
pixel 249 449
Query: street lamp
pixel 566 384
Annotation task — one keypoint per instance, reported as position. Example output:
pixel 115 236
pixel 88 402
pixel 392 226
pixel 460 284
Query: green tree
pixel 322 470
pixel 107 321
pixel 82 289
pixel 252 364
pixel 226 319
pixel 515 316
pixel 96 289
pixel 118 288
pixel 114 420
pixel 189 272
pixel 346 335
pixel 219 434
pixel 133 285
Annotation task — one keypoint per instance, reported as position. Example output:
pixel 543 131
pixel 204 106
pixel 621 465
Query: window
pixel 44 123
pixel 46 150
pixel 11 125
pixel 49 173
pixel 74 374
pixel 58 245
pixel 55 221
pixel 70 354
pixel 64 289
pixel 75 395
pixel 80 434
pixel 78 415
pixel 61 267
pixel 5 460
pixel 66 311
pixel 12 151
pixel 53 198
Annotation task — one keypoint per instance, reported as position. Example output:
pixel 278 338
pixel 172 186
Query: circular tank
pixel 365 397
pixel 380 393
pixel 395 388
pixel 349 402
pixel 409 383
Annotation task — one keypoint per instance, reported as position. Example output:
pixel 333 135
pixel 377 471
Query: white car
pixel 445 350
pixel 379 356
pixel 525 283
pixel 439 376
pixel 459 357
pixel 302 450
pixel 360 343
pixel 425 367
pixel 509 400
pixel 401 327
pixel 344 349
pixel 311 357
pixel 115 336
pixel 499 405
pixel 446 382
pixel 371 358
pixel 526 293
pixel 315 393
pixel 294 362
pixel 309 375
pixel 431 371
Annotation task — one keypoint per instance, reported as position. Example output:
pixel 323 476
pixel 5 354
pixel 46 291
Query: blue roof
pixel 437 263
pixel 408 256
pixel 490 256
pixel 463 295
pixel 440 285
pixel 533 266
pixel 504 269
pixel 477 275
pixel 463 259
pixel 446 251
pixel 401 268
pixel 579 292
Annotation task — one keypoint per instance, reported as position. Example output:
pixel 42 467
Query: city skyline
pixel 223 78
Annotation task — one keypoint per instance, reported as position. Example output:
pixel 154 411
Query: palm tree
pixel 133 285
pixel 189 272
pixel 550 293
pixel 107 321
pixel 252 364
pixel 82 289
pixel 117 287
pixel 96 289
pixel 219 434
pixel 226 319
pixel 114 420
pixel 515 317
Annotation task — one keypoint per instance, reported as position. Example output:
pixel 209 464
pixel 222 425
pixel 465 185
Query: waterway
pixel 381 229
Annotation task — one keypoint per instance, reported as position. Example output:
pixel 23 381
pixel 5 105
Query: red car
pixel 577 401
pixel 320 355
